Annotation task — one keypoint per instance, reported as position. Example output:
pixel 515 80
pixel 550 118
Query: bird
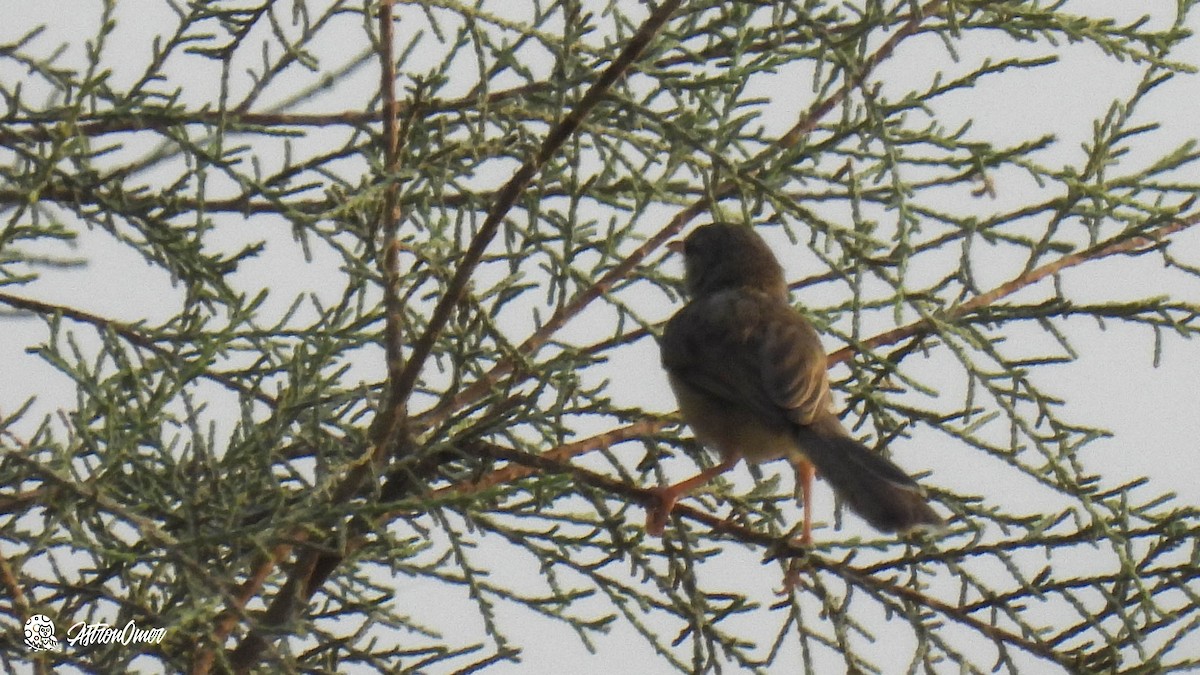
pixel 750 376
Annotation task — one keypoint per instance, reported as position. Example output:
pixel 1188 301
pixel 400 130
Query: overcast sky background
pixel 1152 412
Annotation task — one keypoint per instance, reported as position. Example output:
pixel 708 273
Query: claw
pixel 658 513
pixel 656 516
pixel 793 578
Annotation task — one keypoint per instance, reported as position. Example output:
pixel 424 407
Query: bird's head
pixel 723 256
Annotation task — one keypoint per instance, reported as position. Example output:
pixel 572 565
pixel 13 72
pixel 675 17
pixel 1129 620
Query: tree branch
pixel 1123 243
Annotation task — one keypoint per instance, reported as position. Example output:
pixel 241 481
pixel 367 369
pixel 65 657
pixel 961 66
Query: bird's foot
pixel 794 577
pixel 658 512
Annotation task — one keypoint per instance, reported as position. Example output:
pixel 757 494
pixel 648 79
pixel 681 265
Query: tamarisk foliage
pixel 329 331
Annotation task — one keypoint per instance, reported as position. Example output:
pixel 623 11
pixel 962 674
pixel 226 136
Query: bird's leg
pixel 657 514
pixel 805 472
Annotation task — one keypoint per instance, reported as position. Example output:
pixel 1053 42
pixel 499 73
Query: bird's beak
pixel 675 246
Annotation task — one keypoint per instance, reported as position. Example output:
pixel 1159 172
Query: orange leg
pixel 805 472
pixel 657 514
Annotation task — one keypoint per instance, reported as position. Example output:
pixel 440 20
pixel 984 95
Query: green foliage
pixel 317 392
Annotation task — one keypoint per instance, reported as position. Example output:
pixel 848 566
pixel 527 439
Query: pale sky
pixel 1152 412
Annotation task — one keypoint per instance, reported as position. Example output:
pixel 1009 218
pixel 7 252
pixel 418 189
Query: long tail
pixel 872 486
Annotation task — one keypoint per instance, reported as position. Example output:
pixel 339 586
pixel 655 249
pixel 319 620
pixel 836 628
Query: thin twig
pixel 288 600
pixel 1120 244
pixel 650 427
pixel 779 547
pixel 621 270
pixel 507 196
pixel 301 582
pixel 133 336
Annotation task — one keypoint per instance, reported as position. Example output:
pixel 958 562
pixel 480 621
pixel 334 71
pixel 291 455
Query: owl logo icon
pixel 39 633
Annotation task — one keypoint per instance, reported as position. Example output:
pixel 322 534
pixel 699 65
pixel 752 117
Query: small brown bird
pixel 750 377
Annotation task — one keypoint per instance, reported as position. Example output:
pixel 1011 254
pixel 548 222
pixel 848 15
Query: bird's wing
pixel 751 350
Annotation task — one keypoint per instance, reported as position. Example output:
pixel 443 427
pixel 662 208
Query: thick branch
pixel 301 582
